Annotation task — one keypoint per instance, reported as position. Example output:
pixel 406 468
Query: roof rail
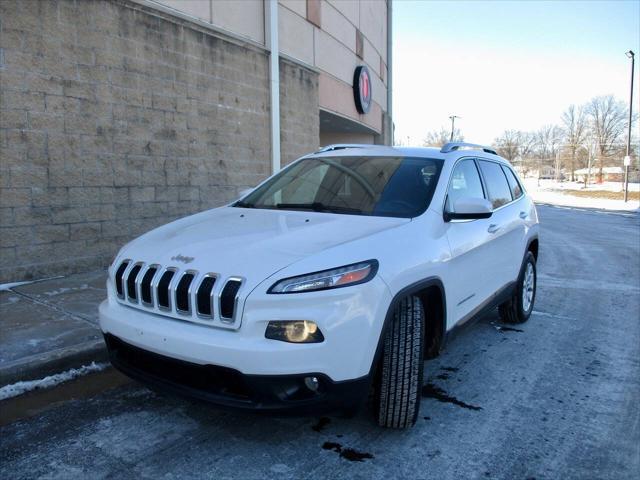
pixel 342 146
pixel 453 146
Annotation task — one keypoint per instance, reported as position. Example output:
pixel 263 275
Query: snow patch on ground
pixel 61 290
pixel 125 434
pixel 9 286
pixel 552 193
pixel 19 388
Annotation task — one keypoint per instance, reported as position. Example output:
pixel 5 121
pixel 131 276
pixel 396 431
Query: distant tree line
pixel 590 135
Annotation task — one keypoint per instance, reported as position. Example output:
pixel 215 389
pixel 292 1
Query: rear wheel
pixel 400 381
pixel 519 307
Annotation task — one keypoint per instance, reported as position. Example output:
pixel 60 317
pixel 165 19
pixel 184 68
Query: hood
pixel 250 243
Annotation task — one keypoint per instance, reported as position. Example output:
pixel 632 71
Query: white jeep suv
pixel 334 278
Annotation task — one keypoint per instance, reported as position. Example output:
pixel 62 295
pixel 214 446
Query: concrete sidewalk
pixel 50 326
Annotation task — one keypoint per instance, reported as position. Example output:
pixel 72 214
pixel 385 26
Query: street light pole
pixel 627 159
pixel 453 121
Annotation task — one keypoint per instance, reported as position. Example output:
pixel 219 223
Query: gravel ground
pixel 557 397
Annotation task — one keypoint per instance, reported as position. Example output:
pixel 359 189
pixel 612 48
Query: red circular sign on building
pixel 362 89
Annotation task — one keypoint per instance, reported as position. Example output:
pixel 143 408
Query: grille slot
pixel 119 280
pixel 164 296
pixel 203 296
pixel 228 298
pixel 131 283
pixel 182 293
pixel 146 294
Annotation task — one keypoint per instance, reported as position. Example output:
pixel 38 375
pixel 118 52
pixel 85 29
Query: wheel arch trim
pixel 530 241
pixel 409 290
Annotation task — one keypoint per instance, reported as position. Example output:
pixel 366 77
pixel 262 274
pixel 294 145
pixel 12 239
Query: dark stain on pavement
pixel 430 390
pixel 502 328
pixel 347 453
pixel 450 369
pixel 322 422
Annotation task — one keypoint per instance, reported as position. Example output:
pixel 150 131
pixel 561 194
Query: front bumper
pixel 350 319
pixel 230 388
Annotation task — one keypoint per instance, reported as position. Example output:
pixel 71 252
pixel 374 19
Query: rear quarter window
pixel 514 185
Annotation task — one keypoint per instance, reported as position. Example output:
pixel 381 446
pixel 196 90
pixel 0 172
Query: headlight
pixel 294 331
pixel 337 277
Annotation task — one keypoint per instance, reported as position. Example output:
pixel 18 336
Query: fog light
pixel 294 331
pixel 312 383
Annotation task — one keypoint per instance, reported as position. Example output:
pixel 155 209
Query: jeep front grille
pixel 228 298
pixel 164 290
pixel 132 291
pixel 187 294
pixel 146 293
pixel 183 304
pixel 119 280
pixel 204 297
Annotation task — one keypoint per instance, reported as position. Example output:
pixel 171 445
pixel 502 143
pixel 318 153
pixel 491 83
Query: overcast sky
pixel 506 65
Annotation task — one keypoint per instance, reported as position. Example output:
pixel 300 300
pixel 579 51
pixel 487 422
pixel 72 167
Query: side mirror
pixel 469 208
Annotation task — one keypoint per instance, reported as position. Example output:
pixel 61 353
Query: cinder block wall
pixel 299 114
pixel 114 120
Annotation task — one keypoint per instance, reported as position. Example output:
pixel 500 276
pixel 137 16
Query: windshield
pixel 380 186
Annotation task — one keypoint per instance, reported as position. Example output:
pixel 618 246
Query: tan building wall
pixel 116 118
pixel 335 39
pixel 332 36
pixel 242 17
pixel 328 138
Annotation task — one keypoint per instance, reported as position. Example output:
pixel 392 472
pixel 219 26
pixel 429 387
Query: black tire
pixel 513 310
pixel 398 388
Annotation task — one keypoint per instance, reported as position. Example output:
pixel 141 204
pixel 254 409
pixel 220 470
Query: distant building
pixel 609 174
pixel 120 115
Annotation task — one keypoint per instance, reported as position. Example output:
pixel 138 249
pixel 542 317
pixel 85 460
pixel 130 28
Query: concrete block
pixel 15 197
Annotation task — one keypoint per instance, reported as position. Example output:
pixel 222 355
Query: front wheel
pixel 519 307
pixel 398 389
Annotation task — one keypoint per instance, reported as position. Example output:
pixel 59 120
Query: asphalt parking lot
pixel 557 397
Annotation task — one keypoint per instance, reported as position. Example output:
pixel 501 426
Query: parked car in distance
pixel 334 278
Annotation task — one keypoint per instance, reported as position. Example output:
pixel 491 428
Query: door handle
pixel 493 228
pixel 523 215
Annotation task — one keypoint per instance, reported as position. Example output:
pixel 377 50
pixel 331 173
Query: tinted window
pixel 382 186
pixel 465 182
pixel 499 191
pixel 514 185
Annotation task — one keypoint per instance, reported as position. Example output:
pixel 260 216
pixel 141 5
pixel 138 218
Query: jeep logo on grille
pixel 182 258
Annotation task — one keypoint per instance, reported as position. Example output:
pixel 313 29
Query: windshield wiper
pixel 318 207
pixel 242 204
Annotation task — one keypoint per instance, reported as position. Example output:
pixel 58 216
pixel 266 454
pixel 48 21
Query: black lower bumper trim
pixel 230 388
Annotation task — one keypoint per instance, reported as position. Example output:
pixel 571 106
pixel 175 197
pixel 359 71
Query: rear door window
pixel 514 185
pixel 497 185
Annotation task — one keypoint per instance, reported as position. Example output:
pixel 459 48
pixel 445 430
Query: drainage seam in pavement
pixel 53 307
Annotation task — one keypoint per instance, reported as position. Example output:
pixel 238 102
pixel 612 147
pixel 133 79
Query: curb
pixel 41 365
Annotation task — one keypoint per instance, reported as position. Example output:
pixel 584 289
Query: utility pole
pixel 453 122
pixel 627 158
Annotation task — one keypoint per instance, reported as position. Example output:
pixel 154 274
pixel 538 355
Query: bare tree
pixel 509 144
pixel 547 143
pixel 574 124
pixel 548 140
pixel 607 118
pixel 527 144
pixel 437 138
pixel 517 147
